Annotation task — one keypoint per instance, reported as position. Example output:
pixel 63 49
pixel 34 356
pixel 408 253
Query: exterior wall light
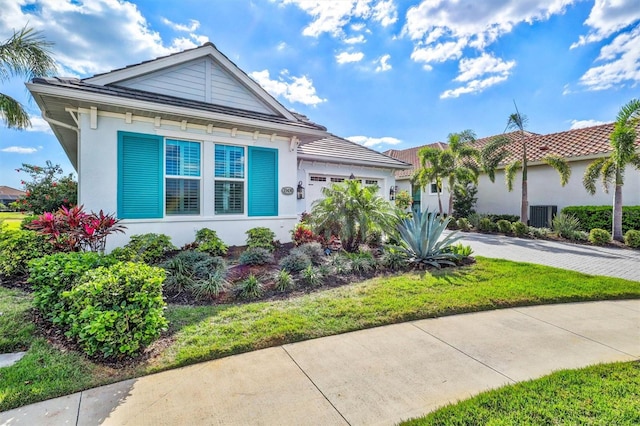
pixel 300 191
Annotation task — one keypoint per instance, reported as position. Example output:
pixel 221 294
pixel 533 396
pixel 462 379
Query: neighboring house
pixel 8 195
pixel 189 141
pixel 423 198
pixel 579 147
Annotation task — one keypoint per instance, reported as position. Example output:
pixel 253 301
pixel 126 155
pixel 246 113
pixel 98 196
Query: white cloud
pixel 347 57
pixel 19 150
pixel 38 124
pixel 193 25
pixel 374 142
pixel 443 29
pixel 281 46
pixel 331 16
pixel 293 89
pixel 479 74
pixel 581 124
pixel 94 36
pixel 355 39
pixel 608 17
pixel 623 66
pixel 383 63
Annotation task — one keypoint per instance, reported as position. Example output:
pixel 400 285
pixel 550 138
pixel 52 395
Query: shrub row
pixel 591 217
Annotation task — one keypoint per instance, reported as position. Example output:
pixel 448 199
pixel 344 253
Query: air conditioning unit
pixel 541 216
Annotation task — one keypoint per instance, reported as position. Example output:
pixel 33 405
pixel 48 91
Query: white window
pixel 229 179
pixel 182 177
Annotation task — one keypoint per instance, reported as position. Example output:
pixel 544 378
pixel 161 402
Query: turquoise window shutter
pixel 263 182
pixel 140 176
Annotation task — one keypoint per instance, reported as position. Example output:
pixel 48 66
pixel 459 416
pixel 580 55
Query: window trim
pixel 181 177
pixel 244 180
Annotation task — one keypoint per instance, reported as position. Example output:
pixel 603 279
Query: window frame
pixel 179 177
pixel 243 179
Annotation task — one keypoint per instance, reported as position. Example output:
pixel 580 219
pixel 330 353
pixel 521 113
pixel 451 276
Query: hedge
pixel 591 217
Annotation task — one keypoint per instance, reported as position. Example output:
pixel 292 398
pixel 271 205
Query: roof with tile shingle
pixel 571 144
pixel 7 193
pixel 410 156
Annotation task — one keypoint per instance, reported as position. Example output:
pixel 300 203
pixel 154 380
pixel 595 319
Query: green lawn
pixel 600 395
pixel 209 332
pixel 11 219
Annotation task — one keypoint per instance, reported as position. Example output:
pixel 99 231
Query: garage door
pixel 317 182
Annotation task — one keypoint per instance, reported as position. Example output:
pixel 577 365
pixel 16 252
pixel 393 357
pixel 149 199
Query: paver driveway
pixel 612 262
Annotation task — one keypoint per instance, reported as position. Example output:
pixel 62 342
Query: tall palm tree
pixel 25 53
pixel 611 169
pixel 464 159
pixel 495 152
pixel 435 166
pixel 352 211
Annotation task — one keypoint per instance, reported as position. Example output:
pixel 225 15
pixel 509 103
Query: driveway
pixel 608 261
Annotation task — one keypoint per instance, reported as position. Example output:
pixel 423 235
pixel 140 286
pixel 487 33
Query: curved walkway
pixel 377 376
pixel 609 261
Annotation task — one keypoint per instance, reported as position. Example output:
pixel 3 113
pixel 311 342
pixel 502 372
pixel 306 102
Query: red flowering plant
pixel 302 234
pixel 47 190
pixel 75 230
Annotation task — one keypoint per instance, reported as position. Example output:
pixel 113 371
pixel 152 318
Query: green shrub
pixel 207 241
pixel 54 274
pixel 313 251
pixel 210 287
pixel 453 223
pixel 340 263
pixel 463 224
pixel 361 262
pixel 464 200
pixel 508 217
pixel 255 256
pixel 519 229
pixel 123 254
pixel 26 221
pixel 600 217
pixel 486 225
pixel 599 236
pixel 475 218
pixel 250 288
pixel 632 238
pixel 283 280
pixel 539 232
pixel 393 259
pixel 117 311
pixel 311 276
pixel 17 248
pixel 296 261
pixel 150 248
pixel 504 226
pixel 565 225
pixel 461 250
pixel 189 270
pixel 261 237
pixel 46 191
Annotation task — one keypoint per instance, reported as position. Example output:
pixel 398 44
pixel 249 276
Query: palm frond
pixel 629 114
pixel 592 173
pixel 493 154
pixel 510 173
pixel 561 166
pixel 13 113
pixel 26 53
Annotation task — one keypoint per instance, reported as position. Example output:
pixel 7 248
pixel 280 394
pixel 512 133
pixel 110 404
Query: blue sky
pixel 384 73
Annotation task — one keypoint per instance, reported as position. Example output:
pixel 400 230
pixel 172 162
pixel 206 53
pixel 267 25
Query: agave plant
pixel 421 240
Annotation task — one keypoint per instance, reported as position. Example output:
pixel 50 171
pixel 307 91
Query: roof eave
pixel 327 159
pixel 36 89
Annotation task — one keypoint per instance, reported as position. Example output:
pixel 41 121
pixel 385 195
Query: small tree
pixel 352 212
pixel 403 200
pixel 495 152
pixel 611 169
pixel 47 191
pixel 465 200
pixel 434 168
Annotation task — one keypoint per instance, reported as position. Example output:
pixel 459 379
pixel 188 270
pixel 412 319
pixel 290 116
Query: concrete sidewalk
pixel 594 260
pixel 376 376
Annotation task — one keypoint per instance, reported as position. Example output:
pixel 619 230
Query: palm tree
pixel 435 166
pixel 352 211
pixel 611 169
pixel 495 152
pixel 25 53
pixel 463 158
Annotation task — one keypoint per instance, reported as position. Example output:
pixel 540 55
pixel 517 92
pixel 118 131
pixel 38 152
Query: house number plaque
pixel 287 190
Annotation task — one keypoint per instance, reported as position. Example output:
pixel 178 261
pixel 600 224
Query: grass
pixel 600 395
pixel 208 332
pixel 11 219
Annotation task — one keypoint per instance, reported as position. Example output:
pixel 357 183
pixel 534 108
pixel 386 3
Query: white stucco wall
pixel 544 189
pixel 97 174
pixel 428 200
pixel 385 178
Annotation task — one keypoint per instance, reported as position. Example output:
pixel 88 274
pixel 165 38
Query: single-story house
pixel 8 195
pixel 579 147
pixel 189 141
